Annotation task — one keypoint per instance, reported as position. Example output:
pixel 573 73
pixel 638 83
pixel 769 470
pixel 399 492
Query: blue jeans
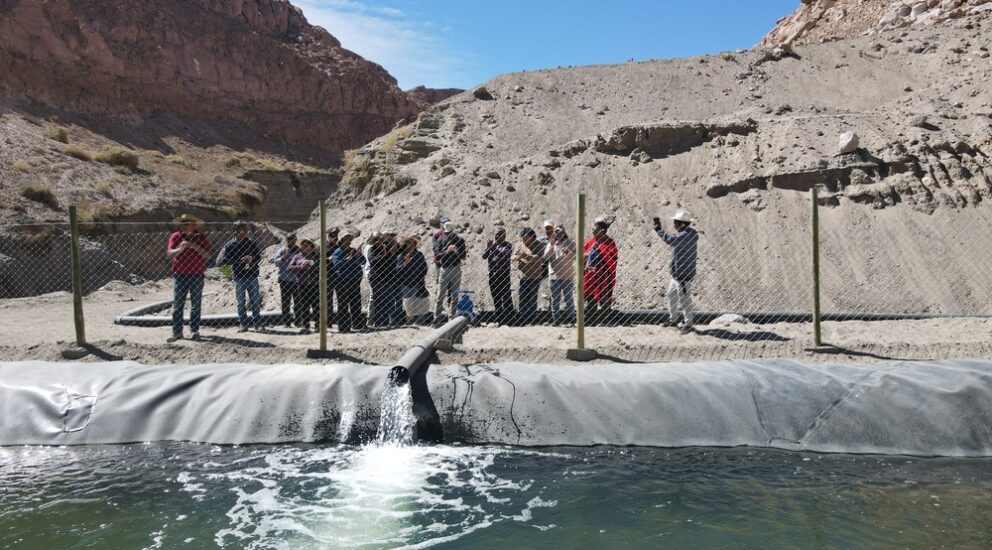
pixel 181 286
pixel 249 286
pixel 562 289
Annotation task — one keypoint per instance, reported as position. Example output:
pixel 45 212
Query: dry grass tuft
pixel 58 133
pixel 179 160
pixel 79 152
pixel 31 119
pixel 104 188
pixel 118 156
pixel 389 142
pixel 23 165
pixel 40 192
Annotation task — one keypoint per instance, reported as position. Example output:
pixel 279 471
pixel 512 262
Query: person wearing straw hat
pixel 682 267
pixel 349 265
pixel 411 271
pixel 188 249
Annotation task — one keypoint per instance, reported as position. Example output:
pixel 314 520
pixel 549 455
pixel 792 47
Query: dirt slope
pixel 738 138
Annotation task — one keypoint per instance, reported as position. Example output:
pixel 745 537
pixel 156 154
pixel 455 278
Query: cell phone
pixel 657 220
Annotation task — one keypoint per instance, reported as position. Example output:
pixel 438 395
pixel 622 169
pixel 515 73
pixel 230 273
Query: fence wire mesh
pixel 517 277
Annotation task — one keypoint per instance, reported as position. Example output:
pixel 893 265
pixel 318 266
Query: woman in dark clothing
pixel 382 279
pixel 411 272
pixel 306 266
pixel 348 271
pixel 499 253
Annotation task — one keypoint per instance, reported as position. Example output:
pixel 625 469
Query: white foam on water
pixel 381 495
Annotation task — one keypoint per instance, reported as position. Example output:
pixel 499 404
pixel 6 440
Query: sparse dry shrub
pixel 31 119
pixel 118 156
pixel 358 169
pixel 23 165
pixel 58 133
pixel 40 192
pixel 179 160
pixel 89 213
pixel 104 188
pixel 389 142
pixel 79 152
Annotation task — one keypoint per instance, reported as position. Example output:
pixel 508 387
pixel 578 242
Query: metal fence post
pixel 323 276
pixel 815 220
pixel 77 279
pixel 580 353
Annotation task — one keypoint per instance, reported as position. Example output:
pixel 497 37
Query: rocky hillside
pixel 822 20
pixel 739 139
pixel 257 62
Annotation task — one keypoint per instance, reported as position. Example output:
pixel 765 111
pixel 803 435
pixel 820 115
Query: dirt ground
pixel 40 328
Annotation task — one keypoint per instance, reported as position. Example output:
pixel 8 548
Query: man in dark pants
pixel 348 271
pixel 287 280
pixel 499 253
pixel 188 249
pixel 332 245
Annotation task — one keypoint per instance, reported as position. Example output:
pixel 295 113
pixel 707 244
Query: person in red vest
pixel 600 276
pixel 189 250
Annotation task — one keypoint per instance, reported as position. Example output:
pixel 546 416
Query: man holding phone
pixel 188 249
pixel 682 267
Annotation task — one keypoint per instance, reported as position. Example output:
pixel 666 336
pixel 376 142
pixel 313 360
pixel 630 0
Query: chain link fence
pixel 741 292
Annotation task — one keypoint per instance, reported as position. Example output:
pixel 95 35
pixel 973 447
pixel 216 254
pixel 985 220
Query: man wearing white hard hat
pixel 682 267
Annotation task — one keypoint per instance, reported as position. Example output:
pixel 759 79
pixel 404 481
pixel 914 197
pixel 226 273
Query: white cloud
pixel 398 41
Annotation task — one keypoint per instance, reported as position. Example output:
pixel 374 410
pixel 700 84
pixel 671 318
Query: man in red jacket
pixel 600 276
pixel 189 250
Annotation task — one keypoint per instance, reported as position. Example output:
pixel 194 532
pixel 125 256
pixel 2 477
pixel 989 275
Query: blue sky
pixel 452 43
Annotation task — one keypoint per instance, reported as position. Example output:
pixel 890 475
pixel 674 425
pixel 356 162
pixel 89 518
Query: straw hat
pixel 187 218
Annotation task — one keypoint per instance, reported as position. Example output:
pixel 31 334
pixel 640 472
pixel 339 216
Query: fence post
pixel 815 220
pixel 323 276
pixel 77 278
pixel 580 353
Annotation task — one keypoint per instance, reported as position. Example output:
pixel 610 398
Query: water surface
pixel 183 495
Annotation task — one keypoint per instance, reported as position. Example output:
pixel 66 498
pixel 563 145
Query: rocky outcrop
pixel 429 96
pixel 257 62
pixel 822 20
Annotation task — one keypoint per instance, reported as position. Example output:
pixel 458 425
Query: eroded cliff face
pixel 257 62
pixel 817 21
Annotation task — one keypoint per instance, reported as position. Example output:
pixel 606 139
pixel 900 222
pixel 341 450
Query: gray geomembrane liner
pixel 939 408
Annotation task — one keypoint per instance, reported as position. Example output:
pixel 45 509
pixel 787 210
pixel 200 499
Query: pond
pixel 185 495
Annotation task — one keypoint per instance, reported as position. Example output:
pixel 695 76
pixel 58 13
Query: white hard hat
pixel 682 215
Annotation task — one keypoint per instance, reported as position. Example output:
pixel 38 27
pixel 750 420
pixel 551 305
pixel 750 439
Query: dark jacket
pixel 499 256
pixel 232 253
pixel 382 264
pixel 442 257
pixel 348 271
pixel 683 263
pixel 413 274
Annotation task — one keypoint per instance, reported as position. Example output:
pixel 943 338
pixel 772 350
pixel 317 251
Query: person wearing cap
pixel 349 265
pixel 411 271
pixel 560 255
pixel 499 254
pixel 449 252
pixel 600 277
pixel 530 262
pixel 545 239
pixel 306 266
pixel 682 267
pixel 288 286
pixel 243 254
pixel 188 249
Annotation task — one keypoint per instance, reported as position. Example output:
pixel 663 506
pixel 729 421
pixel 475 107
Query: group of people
pixel 397 272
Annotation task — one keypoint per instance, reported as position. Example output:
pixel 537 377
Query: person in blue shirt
pixel 682 267
pixel 243 255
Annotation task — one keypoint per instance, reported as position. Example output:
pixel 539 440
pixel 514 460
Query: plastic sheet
pixel 916 408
